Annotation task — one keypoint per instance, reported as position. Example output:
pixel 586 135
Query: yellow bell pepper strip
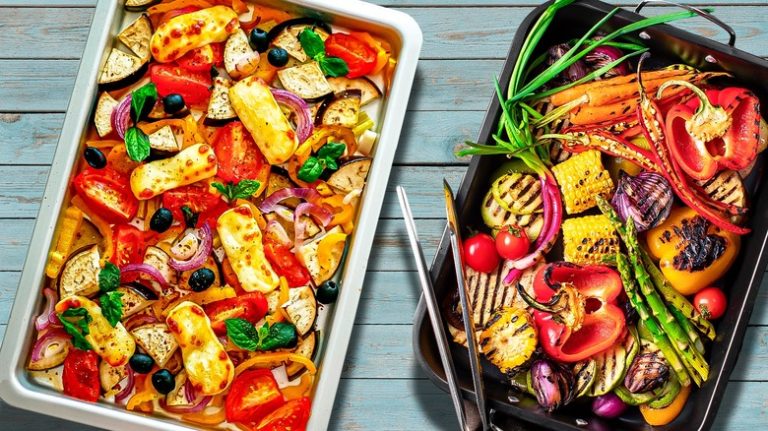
pixel 269 359
pixel 342 212
pixel 692 252
pixel 663 416
pixel 207 296
pixel 330 248
pixel 300 390
pixel 102 225
pixel 70 226
pixel 321 136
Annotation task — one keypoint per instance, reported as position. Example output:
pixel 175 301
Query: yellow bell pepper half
pixel 692 252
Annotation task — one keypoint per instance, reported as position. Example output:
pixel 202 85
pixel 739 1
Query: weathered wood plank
pixel 29 139
pixel 36 85
pixel 44 32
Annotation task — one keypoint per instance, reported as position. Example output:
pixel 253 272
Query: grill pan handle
pixel 702 13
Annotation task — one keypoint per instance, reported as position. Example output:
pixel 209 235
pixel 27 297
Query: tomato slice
pixel 253 395
pixel 238 156
pixel 80 377
pixel 284 262
pixel 194 87
pixel 199 199
pixel 291 416
pixel 130 244
pixel 203 58
pixel 107 193
pixel 250 306
pixel 360 57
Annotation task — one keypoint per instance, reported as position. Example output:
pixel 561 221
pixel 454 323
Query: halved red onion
pixel 50 349
pixel 48 316
pixel 604 55
pixel 128 389
pixel 269 204
pixel 201 255
pixel 189 391
pixel 121 116
pixel 308 209
pixel 304 124
pixel 144 268
pixel 198 407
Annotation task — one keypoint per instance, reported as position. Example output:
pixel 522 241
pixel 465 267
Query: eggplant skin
pixel 351 175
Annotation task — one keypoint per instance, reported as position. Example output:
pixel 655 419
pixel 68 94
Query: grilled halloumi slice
pixel 194 163
pixel 253 102
pixel 114 344
pixel 156 339
pixel 241 238
pixel 183 33
pixel 208 366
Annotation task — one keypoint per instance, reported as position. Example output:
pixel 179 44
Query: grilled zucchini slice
pixel 509 340
pixel 518 193
pixel 611 364
pixel 496 217
pixel 726 187
pixel 585 372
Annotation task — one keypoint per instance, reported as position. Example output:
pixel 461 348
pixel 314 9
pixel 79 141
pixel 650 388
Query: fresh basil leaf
pixel 75 312
pixel 109 277
pixel 78 339
pixel 245 189
pixel 312 43
pixel 136 144
pixel 334 66
pixel 281 335
pixel 311 170
pixel 142 101
pixel 331 164
pixel 111 304
pixel 242 333
pixel 224 189
pixel 190 217
pixel 332 150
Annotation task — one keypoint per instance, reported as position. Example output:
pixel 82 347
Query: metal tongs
pixel 434 310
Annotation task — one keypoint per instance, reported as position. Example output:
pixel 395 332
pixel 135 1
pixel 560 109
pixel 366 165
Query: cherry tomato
pixel 238 156
pixel 512 242
pixel 711 303
pixel 130 245
pixel 203 58
pixel 253 395
pixel 480 253
pixel 250 306
pixel 359 56
pixel 199 199
pixel 291 416
pixel 194 87
pixel 80 377
pixel 108 193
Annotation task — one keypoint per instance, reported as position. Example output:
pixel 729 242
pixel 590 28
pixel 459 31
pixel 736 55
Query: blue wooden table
pixel 382 387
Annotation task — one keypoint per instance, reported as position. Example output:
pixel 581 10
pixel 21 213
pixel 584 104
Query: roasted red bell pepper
pixel 723 133
pixel 590 323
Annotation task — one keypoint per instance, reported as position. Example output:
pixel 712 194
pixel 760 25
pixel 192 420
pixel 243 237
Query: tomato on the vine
pixel 512 242
pixel 710 303
pixel 480 253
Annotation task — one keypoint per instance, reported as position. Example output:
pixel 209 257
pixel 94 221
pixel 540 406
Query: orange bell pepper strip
pixel 269 359
pixel 105 144
pixel 663 416
pixel 342 212
pixel 207 296
pixel 105 229
pixel 119 160
pixel 300 390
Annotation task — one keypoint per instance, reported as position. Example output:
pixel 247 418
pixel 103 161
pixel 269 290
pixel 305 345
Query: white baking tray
pixel 16 386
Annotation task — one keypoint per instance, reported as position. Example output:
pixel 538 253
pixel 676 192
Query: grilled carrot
pixel 585 114
pixel 565 96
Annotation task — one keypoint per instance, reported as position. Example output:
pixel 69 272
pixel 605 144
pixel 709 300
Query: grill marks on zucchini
pixel 488 293
pixel 585 373
pixel 611 364
pixel 509 339
pixel 726 187
pixel 515 199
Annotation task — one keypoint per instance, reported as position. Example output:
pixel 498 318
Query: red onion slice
pixel 128 389
pixel 304 124
pixel 121 116
pixel 270 203
pixel 48 316
pixel 202 253
pixel 144 268
pixel 308 209
pixel 189 391
pixel 50 349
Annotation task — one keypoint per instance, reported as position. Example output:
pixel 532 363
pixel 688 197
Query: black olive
pixel 163 381
pixel 161 220
pixel 328 292
pixel 201 279
pixel 173 103
pixel 141 363
pixel 259 40
pixel 95 158
pixel 277 57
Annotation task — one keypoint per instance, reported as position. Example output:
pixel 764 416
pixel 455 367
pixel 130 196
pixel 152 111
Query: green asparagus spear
pixel 689 329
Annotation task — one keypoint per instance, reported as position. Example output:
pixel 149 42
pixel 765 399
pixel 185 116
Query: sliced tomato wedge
pixel 360 57
pixel 238 156
pixel 108 193
pixel 291 416
pixel 80 377
pixel 199 199
pixel 194 87
pixel 203 58
pixel 250 306
pixel 130 245
pixel 284 262
pixel 253 395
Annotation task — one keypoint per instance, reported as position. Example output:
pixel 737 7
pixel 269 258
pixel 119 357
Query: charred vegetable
pixel 648 371
pixel 552 383
pixel 509 339
pixel 646 197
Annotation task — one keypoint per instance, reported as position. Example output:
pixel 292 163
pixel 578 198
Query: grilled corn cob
pixel 588 239
pixel 581 178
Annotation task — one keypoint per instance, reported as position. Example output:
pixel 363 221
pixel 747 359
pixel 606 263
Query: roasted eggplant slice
pixel 306 81
pixel 177 397
pixel 139 5
pixel 80 275
pixel 110 376
pixel 306 347
pixel 121 68
pixel 509 339
pixel 301 308
pixel 341 111
pixel 239 59
pixel 368 89
pixel 158 258
pixel 307 254
pixel 135 298
pixel 137 37
pixel 157 340
pixel 219 107
pixel 103 116
pixel 164 140
pixel 286 35
pixel 351 175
